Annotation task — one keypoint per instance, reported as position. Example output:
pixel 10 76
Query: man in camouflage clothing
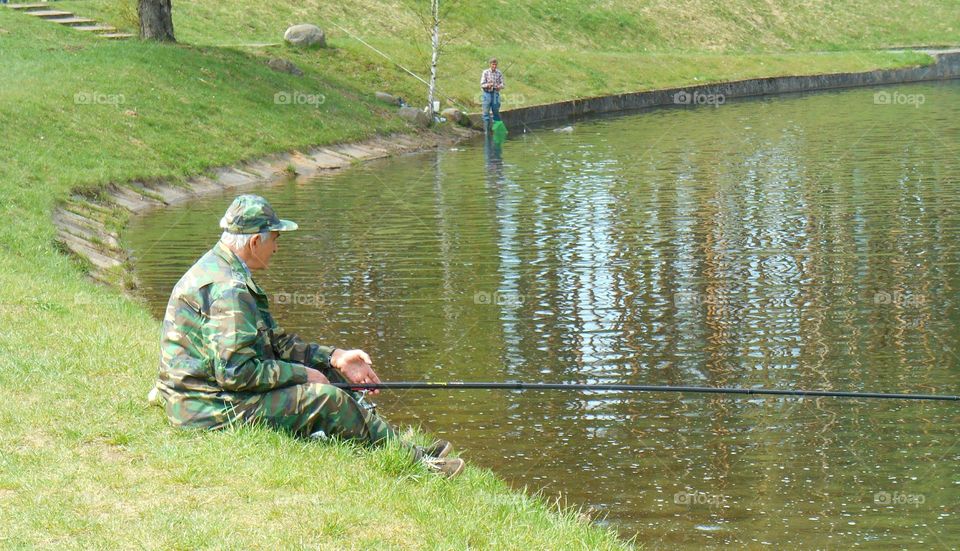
pixel 223 358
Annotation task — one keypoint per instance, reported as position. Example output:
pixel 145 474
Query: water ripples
pixel 797 242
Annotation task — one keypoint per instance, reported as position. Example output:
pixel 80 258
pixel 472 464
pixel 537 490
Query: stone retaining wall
pixel 88 224
pixel 947 66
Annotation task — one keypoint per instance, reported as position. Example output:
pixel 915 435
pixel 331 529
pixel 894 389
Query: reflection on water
pixel 799 242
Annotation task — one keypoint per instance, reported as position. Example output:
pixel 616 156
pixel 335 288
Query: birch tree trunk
pixel 435 42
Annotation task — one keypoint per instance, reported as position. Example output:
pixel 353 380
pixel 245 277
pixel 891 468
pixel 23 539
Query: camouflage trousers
pixel 305 409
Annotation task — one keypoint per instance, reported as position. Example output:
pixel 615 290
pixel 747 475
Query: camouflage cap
pixel 253 214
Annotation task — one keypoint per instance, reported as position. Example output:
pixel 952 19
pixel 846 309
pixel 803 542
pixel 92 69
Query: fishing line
pixel 391 60
pixel 463 385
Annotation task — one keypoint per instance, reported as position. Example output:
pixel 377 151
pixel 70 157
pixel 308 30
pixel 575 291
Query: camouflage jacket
pixel 219 345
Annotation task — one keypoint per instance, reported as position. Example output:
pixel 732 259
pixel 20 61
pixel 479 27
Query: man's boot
pixel 447 467
pixel 438 449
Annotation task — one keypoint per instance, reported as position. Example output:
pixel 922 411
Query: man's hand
pixel 355 367
pixel 314 376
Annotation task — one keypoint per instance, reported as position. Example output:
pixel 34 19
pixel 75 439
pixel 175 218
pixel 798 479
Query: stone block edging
pixel 946 66
pixel 89 222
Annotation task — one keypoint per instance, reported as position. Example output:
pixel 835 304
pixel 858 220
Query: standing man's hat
pixel 253 214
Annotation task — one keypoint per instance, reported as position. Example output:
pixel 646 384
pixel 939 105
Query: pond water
pixel 805 241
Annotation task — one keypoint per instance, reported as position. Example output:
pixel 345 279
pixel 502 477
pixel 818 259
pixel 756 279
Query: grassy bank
pixel 553 50
pixel 84 461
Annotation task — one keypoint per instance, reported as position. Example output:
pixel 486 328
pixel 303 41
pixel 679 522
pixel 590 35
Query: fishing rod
pixel 463 385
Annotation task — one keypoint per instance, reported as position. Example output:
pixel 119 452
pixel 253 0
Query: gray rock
pixel 455 115
pixel 415 116
pixel 284 66
pixel 305 35
pixel 388 98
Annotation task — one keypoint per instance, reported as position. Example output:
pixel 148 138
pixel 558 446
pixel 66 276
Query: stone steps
pixel 95 28
pixel 25 7
pixel 84 24
pixel 48 14
pixel 73 21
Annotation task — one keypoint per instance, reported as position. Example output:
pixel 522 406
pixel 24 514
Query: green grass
pixel 83 461
pixel 554 50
